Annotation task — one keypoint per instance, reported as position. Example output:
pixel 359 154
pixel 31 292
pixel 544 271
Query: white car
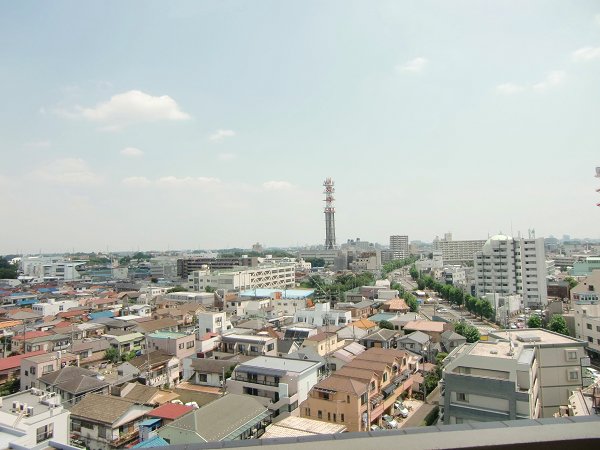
pixel 442 310
pixel 389 421
pixel 400 409
pixel 375 427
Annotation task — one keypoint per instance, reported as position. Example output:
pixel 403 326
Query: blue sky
pixel 159 125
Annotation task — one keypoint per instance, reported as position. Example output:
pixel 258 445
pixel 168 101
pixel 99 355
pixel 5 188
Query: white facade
pixel 585 298
pixel 272 276
pixel 213 322
pixel 51 267
pixel 399 246
pixel 38 418
pixel 435 263
pixel 457 252
pixel 51 307
pixel 509 266
pixel 322 314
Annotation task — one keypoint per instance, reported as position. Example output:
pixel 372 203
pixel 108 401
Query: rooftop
pixel 285 293
pixel 170 411
pixel 500 349
pixel 539 334
pixel 101 408
pixel 40 405
pixel 282 364
pixel 167 335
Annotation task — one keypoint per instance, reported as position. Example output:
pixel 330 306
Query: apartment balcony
pixel 256 381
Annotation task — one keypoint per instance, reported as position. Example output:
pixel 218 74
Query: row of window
pixel 330 416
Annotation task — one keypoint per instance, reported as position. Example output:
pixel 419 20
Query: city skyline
pixel 213 124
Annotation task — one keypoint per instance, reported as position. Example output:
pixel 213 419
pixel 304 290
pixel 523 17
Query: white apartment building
pixel 202 298
pixel 52 307
pixel 322 314
pixel 585 298
pixel 271 276
pixel 457 252
pixel 281 384
pixel 509 266
pixel 435 263
pixel 525 374
pixel 31 419
pixel 399 246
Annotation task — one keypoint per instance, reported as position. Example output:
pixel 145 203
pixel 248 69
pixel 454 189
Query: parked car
pixel 400 409
pixel 442 310
pixel 389 421
pixel 375 427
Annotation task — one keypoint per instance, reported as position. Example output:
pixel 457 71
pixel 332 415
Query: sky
pixel 212 124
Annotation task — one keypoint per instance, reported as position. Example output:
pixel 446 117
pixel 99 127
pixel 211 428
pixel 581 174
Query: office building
pixel 399 246
pixel 457 252
pixel 268 276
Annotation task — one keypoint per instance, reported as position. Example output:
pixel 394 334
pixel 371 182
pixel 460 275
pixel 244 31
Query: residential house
pixel 232 417
pixel 381 338
pixel 72 383
pixel 157 368
pixel 249 344
pixel 364 324
pixel 433 329
pixel 452 340
pixel 105 422
pixel 32 419
pixel 33 367
pixel 358 310
pixel 395 305
pixel 344 355
pixel 169 412
pixel 323 342
pixel 419 343
pixel 209 372
pixel 213 322
pixel 10 367
pixel 125 342
pixel 322 314
pixel 90 350
pixel 361 392
pixel 143 395
pixel 52 307
pixel 167 324
pixel 399 321
pixel 181 345
pixel 281 384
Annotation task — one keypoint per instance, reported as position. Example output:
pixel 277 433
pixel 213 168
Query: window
pixel 189 344
pixel 461 397
pixel 573 375
pixel 44 433
pixel 363 399
pixel 329 416
pixel 590 339
pixel 334 417
pixel 385 377
pixel 31 371
pixel 319 414
pixel 341 417
pixel 589 326
pixel 571 355
pixel 270 347
pixel 347 399
pixel 202 377
pixel 307 412
pixel 372 385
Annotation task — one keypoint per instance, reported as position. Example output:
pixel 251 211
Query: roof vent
pixel 528 337
pixel 494 352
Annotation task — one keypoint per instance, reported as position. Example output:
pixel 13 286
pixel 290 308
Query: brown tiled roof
pixel 101 408
pixel 156 325
pixel 343 384
pixel 425 325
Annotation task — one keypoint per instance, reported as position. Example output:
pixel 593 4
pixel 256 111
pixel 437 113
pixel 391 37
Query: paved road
pixel 419 415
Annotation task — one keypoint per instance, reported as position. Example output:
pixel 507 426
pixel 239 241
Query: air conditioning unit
pixel 30 410
pixel 15 406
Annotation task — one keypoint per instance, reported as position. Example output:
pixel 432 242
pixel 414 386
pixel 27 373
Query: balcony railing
pixel 256 381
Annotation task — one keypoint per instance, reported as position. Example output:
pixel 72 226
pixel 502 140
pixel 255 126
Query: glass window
pixel 44 433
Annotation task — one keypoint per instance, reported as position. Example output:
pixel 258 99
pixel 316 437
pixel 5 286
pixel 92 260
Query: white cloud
pixel 171 181
pixel 276 185
pixel 552 80
pixel 509 88
pixel 132 152
pixel 219 135
pixel 69 171
pixel 226 156
pixel 414 65
pixel 136 181
pixel 586 54
pixel 128 108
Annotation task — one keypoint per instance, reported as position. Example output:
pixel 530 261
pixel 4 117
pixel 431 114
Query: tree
pixel 112 354
pixel 412 302
pixel 7 270
pixel 558 325
pixel 177 289
pixel 572 282
pixel 414 273
pixel 316 262
pixel 486 309
pixel 534 322
pixel 471 333
pixel 386 325
pixel 420 284
pixel 209 289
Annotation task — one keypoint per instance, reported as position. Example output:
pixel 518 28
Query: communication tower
pixel 329 214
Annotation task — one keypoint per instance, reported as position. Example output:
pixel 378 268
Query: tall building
pixel 457 252
pixel 507 266
pixel 329 214
pixel 399 246
pixel 585 298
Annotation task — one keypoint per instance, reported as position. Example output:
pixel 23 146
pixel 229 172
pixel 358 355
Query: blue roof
pixel 101 314
pixel 150 443
pixel 30 301
pixel 285 293
pixel 382 316
pixel 52 289
pixel 149 422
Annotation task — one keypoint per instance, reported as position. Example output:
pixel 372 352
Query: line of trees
pixel 397 264
pixel 478 306
pixel 557 324
pixel 343 282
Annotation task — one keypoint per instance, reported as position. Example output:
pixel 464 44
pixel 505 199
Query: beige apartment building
pixel 586 305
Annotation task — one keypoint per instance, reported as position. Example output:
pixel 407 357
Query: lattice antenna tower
pixel 328 190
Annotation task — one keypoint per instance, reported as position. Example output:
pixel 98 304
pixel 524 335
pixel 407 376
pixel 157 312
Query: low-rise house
pixel 33 367
pixel 18 340
pixel 10 368
pixel 105 422
pixel 52 307
pixel 400 320
pixel 433 329
pixel 345 355
pixel 167 324
pixel 323 343
pixel 365 324
pixel 452 340
pixel 181 345
pixel 322 314
pixel 249 344
pixel 361 392
pixel 213 322
pixel 31 419
pixel 125 343
pixel 209 372
pixel 72 383
pixel 112 324
pixel 74 315
pixel 281 384
pixel 143 395
pixel 169 412
pixel 358 310
pixel 419 343
pixel 395 305
pixel 157 368
pixel 381 338
pixel 90 350
pixel 232 417
pixel 300 426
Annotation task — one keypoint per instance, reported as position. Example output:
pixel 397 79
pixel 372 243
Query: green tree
pixel 486 309
pixel 558 325
pixel 177 289
pixel 420 284
pixel 414 273
pixel 7 270
pixel 471 333
pixel 112 355
pixel 534 322
pixel 316 262
pixel 412 302
pixel 572 282
pixel 386 325
pixel 209 289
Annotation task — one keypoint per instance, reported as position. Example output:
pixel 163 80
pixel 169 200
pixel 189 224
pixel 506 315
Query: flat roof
pixel 545 336
pixel 285 293
pixel 283 364
pixel 500 349
pixel 167 335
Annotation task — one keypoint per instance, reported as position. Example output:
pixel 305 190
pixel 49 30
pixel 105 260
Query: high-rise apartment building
pixel 508 266
pixel 399 246
pixel 457 252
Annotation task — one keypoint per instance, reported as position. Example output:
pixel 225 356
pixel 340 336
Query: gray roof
pixel 381 335
pixel 222 417
pixel 452 336
pixel 102 408
pixel 155 357
pixel 205 365
pixel 96 345
pixel 417 336
pixel 74 380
